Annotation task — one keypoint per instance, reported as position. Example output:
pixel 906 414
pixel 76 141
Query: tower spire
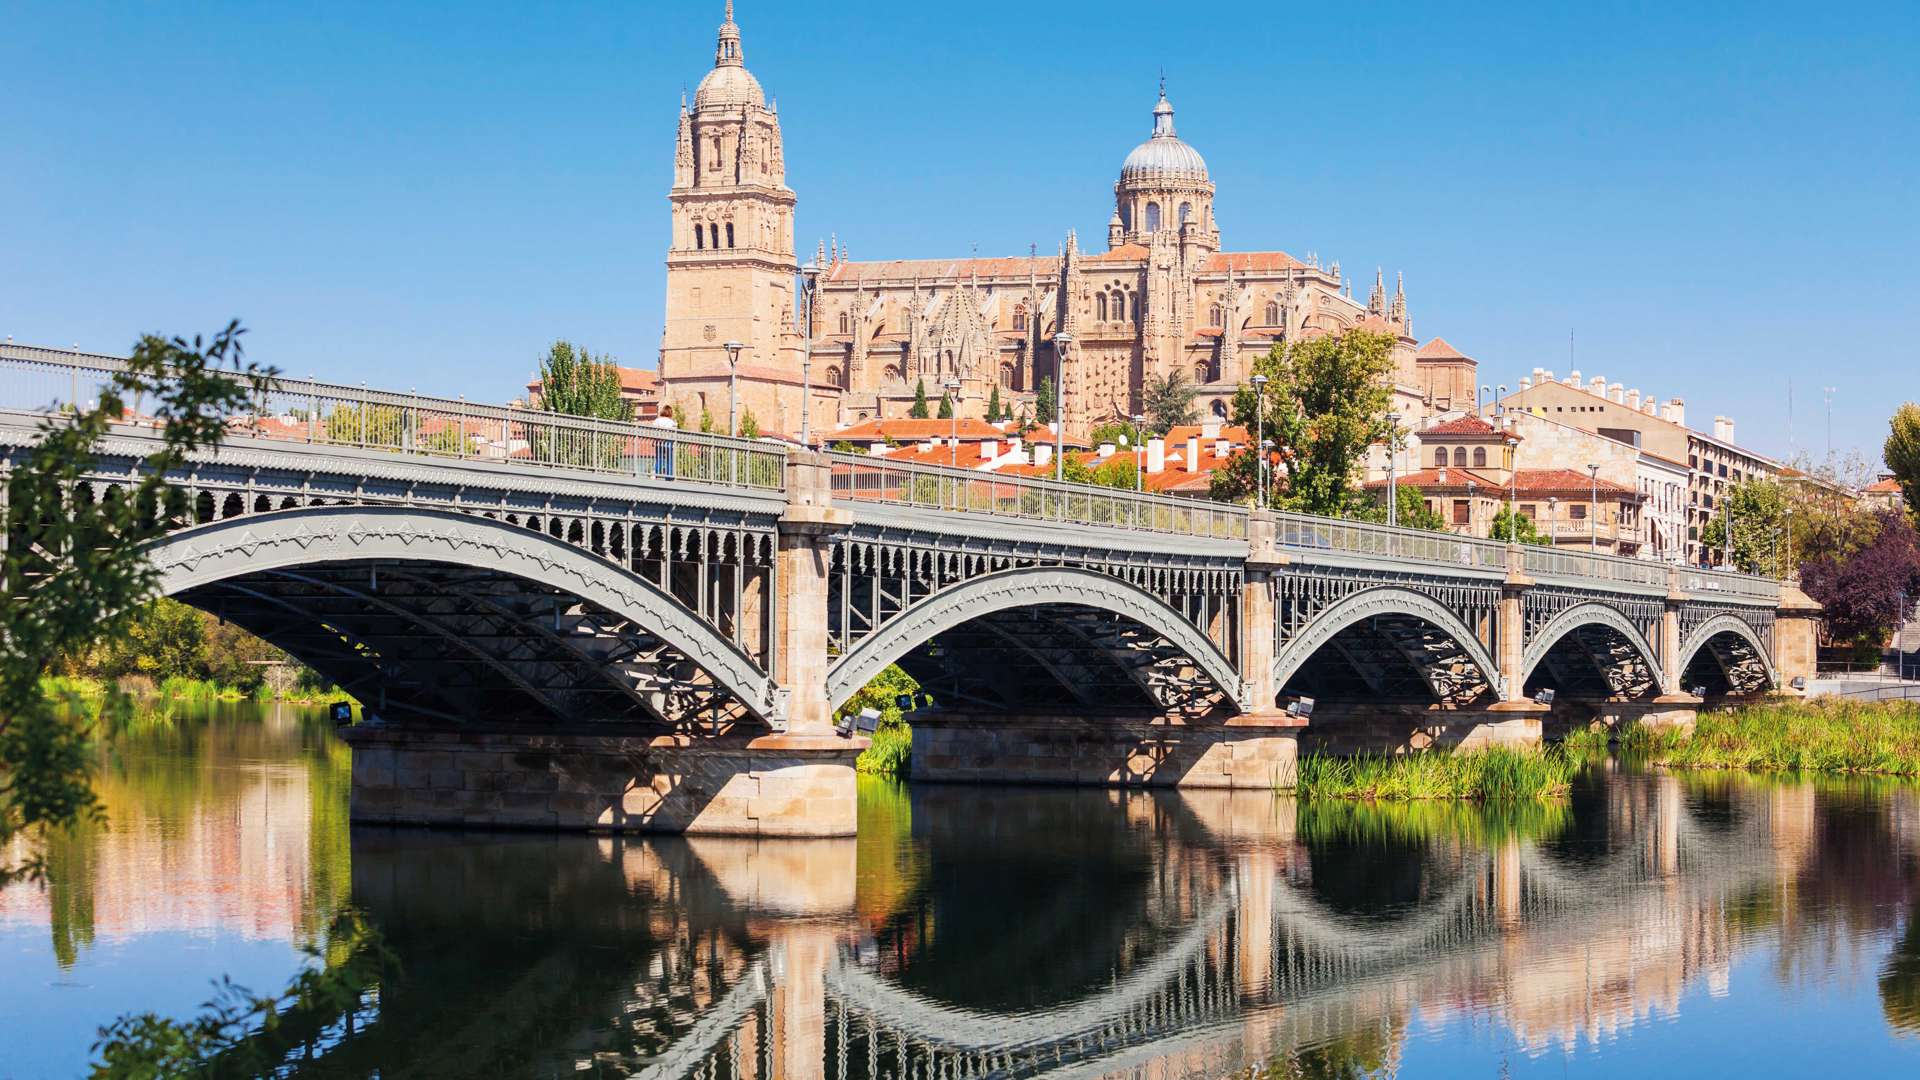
pixel 727 52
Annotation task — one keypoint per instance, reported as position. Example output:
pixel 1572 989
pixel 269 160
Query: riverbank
pixel 1821 736
pixel 178 689
pixel 1494 774
pixel 890 753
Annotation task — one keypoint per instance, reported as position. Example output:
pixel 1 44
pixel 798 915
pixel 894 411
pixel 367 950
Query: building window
pixel 1273 314
pixel 1201 374
pixel 1153 217
pixel 1136 307
pixel 699 237
pixel 1006 376
pixel 1186 211
pixel 713 159
pixel 846 324
pixel 1216 316
pixel 1020 318
pixel 1440 457
pixel 713 235
pixel 1459 457
pixel 1479 457
pixel 833 376
pixel 1462 512
pixel 1100 306
pixel 1577 511
pixel 729 234
pixel 1530 510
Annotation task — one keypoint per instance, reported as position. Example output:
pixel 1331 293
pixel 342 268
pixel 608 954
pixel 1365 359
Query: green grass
pixel 1819 736
pixel 892 749
pixel 68 686
pixel 1496 773
pixel 1586 742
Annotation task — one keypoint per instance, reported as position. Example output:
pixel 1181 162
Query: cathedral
pixel 1162 299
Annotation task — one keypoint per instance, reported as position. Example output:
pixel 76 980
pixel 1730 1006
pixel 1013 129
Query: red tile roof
pixel 1180 433
pixel 1439 349
pixel 910 430
pixel 1123 253
pixel 1536 482
pixel 1455 478
pixel 1467 426
pixel 1889 486
pixel 1251 261
pixel 847 273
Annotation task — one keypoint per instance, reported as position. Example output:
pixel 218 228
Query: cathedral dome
pixel 725 86
pixel 1163 155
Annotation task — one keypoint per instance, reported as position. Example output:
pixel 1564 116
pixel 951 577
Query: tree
pixel 1324 404
pixel 1043 402
pixel 1117 471
pixel 1169 402
pixel 919 410
pixel 75 570
pixel 946 407
pixel 993 405
pixel 1511 525
pixel 573 382
pixel 1118 432
pixel 1868 593
pixel 1758 510
pixel 1410 510
pixel 1902 452
pixel 749 426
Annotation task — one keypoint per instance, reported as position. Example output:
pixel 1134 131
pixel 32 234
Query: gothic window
pixel 1479 457
pixel 1440 457
pixel 893 374
pixel 846 324
pixel 1186 210
pixel 1459 457
pixel 713 159
pixel 1100 306
pixel 1273 313
pixel 1216 316
pixel 1219 409
pixel 729 234
pixel 1006 376
pixel 833 376
pixel 713 235
pixel 1136 307
pixel 699 237
pixel 1020 318
pixel 1201 374
pixel 1153 217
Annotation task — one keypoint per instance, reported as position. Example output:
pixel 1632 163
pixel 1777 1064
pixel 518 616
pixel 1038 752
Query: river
pixel 1725 925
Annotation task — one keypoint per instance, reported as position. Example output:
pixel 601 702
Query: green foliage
pixel 1758 510
pixel 845 447
pixel 893 741
pixel 1511 525
pixel 1121 433
pixel 993 405
pixel 706 421
pixel 1819 735
pixel 890 754
pixel 1496 773
pixel 1324 404
pixel 239 1034
pixel 575 383
pixel 749 426
pixel 1117 471
pixel 1169 402
pixel 74 570
pixel 946 407
pixel 373 425
pixel 1410 510
pixel 1043 402
pixel 1075 470
pixel 1902 451
pixel 920 410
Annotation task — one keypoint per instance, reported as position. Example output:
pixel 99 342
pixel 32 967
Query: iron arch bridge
pixel 443 560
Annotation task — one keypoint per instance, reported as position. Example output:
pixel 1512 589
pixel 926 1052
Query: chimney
pixel 1222 447
pixel 1651 406
pixel 1193 455
pixel 1616 393
pixel 1573 379
pixel 1210 429
pixel 1106 450
pixel 1156 455
pixel 1597 386
pixel 1633 399
pixel 1042 453
pixel 1526 383
pixel 1541 375
pixel 989 449
pixel 1723 428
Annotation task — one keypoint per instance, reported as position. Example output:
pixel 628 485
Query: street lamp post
pixel 1471 488
pixel 1060 343
pixel 1593 508
pixel 809 278
pixel 1553 520
pixel 733 386
pixel 1393 469
pixel 1726 532
pixel 1139 448
pixel 1260 441
pixel 952 387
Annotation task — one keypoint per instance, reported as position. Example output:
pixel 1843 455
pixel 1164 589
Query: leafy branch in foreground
pixel 75 568
pixel 237 1034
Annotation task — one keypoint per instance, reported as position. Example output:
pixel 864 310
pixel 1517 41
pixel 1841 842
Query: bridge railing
pixel 40 380
pixel 1308 534
pixel 1701 583
pixel 1559 562
pixel 865 478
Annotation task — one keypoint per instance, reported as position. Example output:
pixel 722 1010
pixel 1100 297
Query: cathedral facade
pixel 1162 299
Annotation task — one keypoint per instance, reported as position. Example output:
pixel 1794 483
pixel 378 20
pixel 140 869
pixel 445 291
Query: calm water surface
pixel 1726 926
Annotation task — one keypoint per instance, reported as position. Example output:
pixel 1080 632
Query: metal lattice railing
pixel 1560 562
pixel 1699 583
pixel 863 478
pixel 1306 533
pixel 40 380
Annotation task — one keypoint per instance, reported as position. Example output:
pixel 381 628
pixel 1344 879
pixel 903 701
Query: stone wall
pixel 1068 750
pixel 1403 728
pixel 772 786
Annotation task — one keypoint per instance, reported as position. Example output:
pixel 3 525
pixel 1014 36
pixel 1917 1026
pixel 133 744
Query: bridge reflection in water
pixel 1062 933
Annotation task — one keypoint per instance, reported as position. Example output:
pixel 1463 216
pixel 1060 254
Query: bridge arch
pixel 1398 604
pixel 227 563
pixel 1026 588
pixel 1576 626
pixel 1727 649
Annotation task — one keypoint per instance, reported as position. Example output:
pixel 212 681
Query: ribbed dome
pixel 1164 155
pixel 725 86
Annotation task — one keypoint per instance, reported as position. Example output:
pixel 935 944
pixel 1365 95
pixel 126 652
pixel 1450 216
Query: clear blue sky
pixel 1713 199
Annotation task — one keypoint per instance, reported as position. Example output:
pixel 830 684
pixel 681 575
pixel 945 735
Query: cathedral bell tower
pixel 730 265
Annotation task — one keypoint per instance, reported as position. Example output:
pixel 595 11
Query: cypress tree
pixel 919 410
